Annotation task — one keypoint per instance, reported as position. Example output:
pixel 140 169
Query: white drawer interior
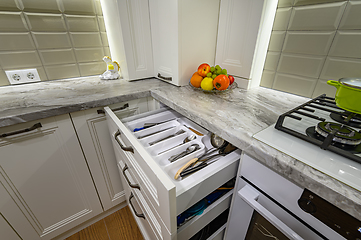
pixel 192 226
pixel 162 150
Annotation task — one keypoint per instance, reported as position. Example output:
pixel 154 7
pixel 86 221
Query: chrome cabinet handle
pixel 126 178
pixel 140 215
pixel 164 78
pixel 35 126
pixel 129 149
pixel 101 111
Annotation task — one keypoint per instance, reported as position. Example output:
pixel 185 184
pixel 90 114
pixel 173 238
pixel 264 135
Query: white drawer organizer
pixel 148 177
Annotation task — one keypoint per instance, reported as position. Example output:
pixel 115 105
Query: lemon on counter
pixel 207 84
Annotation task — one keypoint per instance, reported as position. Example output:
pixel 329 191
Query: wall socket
pixel 23 76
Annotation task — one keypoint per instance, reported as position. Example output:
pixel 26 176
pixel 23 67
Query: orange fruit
pixel 196 80
pixel 195 73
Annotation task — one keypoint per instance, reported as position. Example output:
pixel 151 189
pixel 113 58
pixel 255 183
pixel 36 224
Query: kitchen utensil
pixel 205 162
pixel 148 125
pixel 348 94
pixel 144 136
pixel 216 141
pixel 187 139
pixel 193 130
pixel 170 136
pixel 189 150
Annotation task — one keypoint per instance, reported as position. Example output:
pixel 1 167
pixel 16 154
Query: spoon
pixel 187 139
pixel 190 149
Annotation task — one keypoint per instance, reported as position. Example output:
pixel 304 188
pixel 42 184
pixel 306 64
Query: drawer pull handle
pixel 164 78
pixel 129 149
pixel 101 111
pixel 126 178
pixel 35 126
pixel 141 215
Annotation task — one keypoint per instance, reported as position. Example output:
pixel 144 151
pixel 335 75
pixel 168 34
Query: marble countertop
pixel 27 102
pixel 236 116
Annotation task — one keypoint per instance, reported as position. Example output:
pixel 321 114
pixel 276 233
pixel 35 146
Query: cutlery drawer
pixel 149 166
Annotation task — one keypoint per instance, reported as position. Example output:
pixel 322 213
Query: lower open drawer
pixel 147 159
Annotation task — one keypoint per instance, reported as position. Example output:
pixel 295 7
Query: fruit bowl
pixel 230 87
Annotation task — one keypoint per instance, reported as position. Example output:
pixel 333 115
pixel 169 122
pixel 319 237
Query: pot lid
pixel 351 82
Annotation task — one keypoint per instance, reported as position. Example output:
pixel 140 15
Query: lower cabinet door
pixel 10 214
pixel 6 231
pixel 93 133
pixel 45 173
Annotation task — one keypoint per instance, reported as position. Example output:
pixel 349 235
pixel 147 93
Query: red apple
pixel 231 79
pixel 203 69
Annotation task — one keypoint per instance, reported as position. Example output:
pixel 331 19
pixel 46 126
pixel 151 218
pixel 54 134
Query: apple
pixel 231 79
pixel 203 69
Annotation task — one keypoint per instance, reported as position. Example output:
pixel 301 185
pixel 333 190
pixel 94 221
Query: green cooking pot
pixel 348 94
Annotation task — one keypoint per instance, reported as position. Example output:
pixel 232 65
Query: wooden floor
pixel 117 226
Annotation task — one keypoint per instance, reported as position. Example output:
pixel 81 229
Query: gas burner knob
pixel 307 205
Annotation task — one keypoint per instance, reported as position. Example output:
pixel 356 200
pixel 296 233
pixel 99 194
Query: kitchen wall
pixel 313 41
pixel 60 38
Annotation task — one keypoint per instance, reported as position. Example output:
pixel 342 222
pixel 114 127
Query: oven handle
pixel 250 196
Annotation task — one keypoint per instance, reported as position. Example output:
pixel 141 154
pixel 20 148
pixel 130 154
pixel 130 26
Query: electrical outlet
pixel 23 76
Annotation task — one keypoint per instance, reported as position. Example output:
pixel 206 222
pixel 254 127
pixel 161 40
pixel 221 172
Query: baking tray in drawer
pixel 155 174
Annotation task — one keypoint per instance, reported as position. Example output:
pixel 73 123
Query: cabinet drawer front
pixel 148 225
pixel 155 174
pixel 151 178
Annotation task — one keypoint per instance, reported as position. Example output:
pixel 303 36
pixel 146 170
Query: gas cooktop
pixel 321 135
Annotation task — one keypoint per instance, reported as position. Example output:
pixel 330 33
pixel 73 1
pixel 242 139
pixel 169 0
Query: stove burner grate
pixel 353 149
pixel 341 133
pixel 341 118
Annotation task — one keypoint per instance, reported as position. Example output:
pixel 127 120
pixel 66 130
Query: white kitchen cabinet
pixel 238 33
pixel 148 177
pixel 93 133
pixel 46 176
pixel 184 35
pixel 128 30
pixel 11 214
pixel 6 230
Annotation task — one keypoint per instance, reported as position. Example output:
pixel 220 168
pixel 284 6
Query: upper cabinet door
pixel 184 34
pixel 239 24
pixel 164 21
pixel 128 31
pixel 46 175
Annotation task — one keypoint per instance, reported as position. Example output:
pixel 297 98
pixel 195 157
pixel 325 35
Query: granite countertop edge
pixel 252 104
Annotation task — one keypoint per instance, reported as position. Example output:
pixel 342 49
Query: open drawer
pixel 147 159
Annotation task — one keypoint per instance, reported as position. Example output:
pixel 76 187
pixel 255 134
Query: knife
pixel 148 125
pixel 150 134
pixel 170 136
